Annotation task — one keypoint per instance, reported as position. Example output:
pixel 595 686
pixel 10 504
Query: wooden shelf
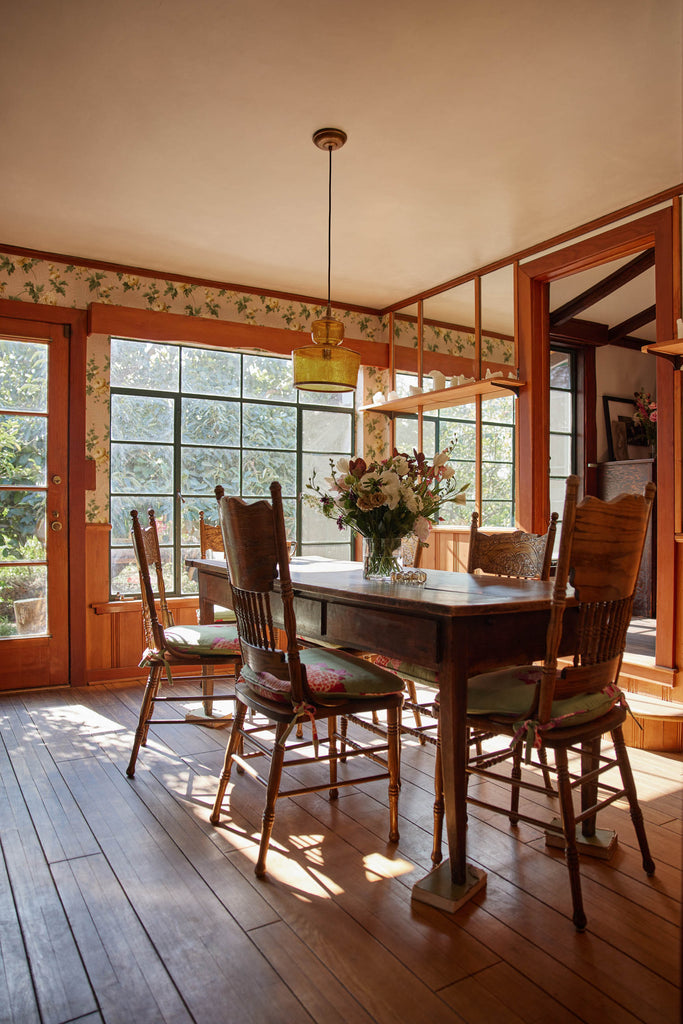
pixel 672 350
pixel 445 398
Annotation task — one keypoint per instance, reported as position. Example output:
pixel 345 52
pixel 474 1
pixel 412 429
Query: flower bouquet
pixel 385 501
pixel 645 419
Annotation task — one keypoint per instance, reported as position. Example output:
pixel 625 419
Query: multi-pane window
pixel 440 427
pixel 562 423
pixel 185 419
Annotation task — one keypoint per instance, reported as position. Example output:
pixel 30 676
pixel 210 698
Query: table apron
pixel 420 639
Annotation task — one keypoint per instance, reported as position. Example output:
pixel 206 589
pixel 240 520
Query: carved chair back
pixel 519 554
pixel 148 557
pixel 256 547
pixel 601 546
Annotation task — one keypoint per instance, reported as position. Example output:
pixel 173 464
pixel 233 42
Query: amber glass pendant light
pixel 325 365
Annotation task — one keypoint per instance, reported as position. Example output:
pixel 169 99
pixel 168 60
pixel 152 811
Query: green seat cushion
pixel 408 670
pixel 329 674
pixel 509 692
pixel 203 640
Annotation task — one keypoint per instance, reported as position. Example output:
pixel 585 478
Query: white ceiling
pixel 177 136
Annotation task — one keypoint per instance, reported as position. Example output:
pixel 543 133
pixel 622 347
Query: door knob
pixel 56 527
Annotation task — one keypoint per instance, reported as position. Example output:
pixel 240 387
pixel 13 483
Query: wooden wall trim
pixel 654 229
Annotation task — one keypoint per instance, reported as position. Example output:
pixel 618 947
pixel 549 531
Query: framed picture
pixel 619 426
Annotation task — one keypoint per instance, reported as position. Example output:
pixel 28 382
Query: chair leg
pixel 234 745
pixel 515 779
pixel 393 762
pixel 547 778
pixel 140 738
pixel 272 791
pixel 342 735
pixel 569 826
pixel 207 689
pixel 634 806
pixel 590 762
pixel 412 695
pixel 332 735
pixel 438 804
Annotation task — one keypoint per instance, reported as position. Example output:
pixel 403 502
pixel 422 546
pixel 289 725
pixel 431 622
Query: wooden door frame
pixel 75 321
pixel 654 230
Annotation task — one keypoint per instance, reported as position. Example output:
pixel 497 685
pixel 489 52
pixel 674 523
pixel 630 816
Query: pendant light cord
pixel 329 230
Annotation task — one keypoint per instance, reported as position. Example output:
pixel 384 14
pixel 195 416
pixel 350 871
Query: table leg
pixel 454 881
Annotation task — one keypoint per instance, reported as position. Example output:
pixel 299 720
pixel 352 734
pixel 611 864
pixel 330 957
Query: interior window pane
pixel 496 480
pixel 203 468
pixel 144 365
pixel 561 410
pixel 120 510
pixel 269 426
pixel 140 468
pixel 259 468
pixel 207 421
pixel 267 378
pixel 211 372
pixel 325 430
pixel 560 454
pixel 23 376
pixel 23 600
pixel 497 513
pixel 139 417
pixel 496 443
pixel 499 410
pixel 22 526
pixel 23 450
pixel 406 435
pixel 560 370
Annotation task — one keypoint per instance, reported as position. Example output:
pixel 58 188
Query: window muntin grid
pixel 184 419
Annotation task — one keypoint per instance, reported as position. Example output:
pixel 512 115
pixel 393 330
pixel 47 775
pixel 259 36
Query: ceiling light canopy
pixel 325 365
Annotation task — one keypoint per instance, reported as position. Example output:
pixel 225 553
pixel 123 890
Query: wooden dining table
pixel 456 623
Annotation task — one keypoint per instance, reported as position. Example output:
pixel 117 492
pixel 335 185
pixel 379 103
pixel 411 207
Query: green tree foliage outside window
pixel 185 419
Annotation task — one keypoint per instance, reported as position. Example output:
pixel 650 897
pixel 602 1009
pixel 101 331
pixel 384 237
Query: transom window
pixel 487 436
pixel 185 419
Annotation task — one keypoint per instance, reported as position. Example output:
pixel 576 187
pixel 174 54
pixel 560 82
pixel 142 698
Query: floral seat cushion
pixel 330 674
pixel 220 640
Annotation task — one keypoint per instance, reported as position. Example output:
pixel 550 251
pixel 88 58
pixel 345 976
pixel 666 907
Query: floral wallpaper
pixel 30 279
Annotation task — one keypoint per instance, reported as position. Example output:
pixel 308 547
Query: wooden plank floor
pixel 120 902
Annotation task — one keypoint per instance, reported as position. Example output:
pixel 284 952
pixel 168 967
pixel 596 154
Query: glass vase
pixel 381 557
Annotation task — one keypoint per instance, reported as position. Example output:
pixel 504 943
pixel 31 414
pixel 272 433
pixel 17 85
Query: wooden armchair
pixel 169 646
pixel 568 709
pixel 290 685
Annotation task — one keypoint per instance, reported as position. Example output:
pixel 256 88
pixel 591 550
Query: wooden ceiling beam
pixel 620 331
pixel 584 332
pixel 634 268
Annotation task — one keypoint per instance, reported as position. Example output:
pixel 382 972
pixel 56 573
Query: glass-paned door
pixel 34 596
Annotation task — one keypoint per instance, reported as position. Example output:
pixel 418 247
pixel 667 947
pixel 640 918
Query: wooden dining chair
pixel 568 708
pixel 168 646
pixel 502 553
pixel 289 684
pixel 211 544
